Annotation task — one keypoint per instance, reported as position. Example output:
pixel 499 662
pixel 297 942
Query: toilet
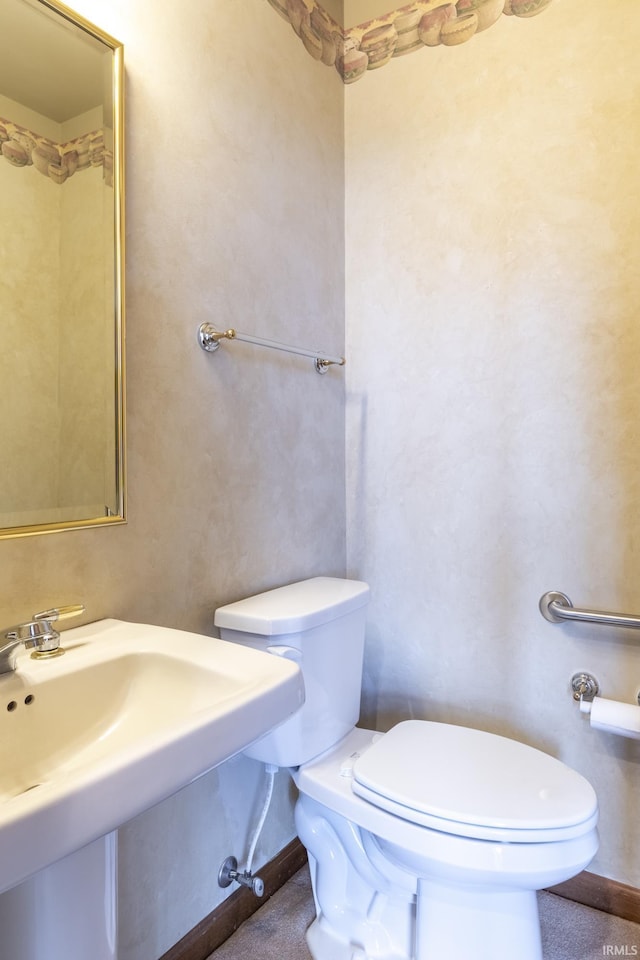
pixel 426 842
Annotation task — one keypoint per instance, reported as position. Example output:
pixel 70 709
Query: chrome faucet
pixel 36 633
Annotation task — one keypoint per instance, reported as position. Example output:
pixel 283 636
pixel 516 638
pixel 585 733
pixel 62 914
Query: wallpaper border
pixel 412 27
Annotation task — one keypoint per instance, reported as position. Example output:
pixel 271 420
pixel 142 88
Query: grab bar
pixel 556 607
pixel 209 339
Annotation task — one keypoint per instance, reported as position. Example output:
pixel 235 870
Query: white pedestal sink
pixel 67 910
pixel 129 715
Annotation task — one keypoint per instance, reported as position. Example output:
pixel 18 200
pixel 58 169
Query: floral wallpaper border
pixel 57 161
pixel 412 27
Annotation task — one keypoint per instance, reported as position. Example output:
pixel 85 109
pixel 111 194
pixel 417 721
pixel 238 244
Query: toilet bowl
pixel 425 842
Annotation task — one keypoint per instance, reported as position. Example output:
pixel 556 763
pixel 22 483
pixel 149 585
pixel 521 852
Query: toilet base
pixel 324 944
pixel 451 923
pixel 360 913
pixel 458 921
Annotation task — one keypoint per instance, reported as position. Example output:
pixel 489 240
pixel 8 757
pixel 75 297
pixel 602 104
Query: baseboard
pixel 218 926
pixel 589 889
pixel 610 896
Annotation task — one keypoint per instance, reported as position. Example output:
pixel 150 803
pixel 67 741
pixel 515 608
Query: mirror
pixel 61 257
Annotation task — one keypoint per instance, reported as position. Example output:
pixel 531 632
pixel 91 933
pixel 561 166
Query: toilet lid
pixel 422 770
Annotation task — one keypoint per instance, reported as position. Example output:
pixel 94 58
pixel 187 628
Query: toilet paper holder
pixel 585 687
pixel 609 716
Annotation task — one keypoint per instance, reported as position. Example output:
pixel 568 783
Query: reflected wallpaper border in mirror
pixel 22 147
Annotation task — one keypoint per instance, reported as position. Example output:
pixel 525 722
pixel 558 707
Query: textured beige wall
pixel 86 369
pixel 36 122
pixel 357 11
pixel 335 9
pixel 236 462
pixel 493 216
pixel 29 252
pixel 57 305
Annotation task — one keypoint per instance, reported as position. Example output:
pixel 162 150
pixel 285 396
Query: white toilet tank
pixel 319 624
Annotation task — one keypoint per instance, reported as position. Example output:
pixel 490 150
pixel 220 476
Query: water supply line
pixel 271 771
pixel 229 872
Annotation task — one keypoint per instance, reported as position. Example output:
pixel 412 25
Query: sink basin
pixel 130 714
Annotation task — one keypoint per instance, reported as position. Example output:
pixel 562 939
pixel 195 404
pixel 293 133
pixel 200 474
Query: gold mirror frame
pixel 117 515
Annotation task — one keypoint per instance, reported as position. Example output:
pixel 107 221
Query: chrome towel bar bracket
pixel 209 339
pixel 556 607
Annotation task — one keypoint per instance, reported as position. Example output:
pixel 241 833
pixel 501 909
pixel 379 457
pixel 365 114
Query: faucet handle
pixel 60 613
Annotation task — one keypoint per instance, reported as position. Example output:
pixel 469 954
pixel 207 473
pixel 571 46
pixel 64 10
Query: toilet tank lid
pixel 295 607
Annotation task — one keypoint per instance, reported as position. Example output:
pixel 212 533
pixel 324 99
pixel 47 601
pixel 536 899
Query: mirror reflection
pixel 61 417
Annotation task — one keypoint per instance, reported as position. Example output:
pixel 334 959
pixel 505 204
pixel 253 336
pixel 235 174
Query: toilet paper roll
pixel 622 719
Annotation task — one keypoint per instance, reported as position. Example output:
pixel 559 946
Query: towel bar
pixel 209 339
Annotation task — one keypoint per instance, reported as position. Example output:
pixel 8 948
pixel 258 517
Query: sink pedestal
pixel 66 911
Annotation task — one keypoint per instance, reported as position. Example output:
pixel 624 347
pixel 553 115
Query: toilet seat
pixel 473 784
pixel 327 782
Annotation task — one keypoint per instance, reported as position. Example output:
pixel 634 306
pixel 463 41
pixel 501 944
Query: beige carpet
pixel 569 931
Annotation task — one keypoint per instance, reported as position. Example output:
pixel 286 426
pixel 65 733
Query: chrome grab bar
pixel 556 607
